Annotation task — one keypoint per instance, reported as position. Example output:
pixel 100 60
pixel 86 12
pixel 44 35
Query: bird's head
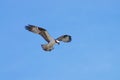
pixel 58 42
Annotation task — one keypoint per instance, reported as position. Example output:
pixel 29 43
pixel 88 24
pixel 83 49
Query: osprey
pixel 51 41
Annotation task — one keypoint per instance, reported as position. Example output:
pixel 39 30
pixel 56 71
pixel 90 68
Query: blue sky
pixel 93 53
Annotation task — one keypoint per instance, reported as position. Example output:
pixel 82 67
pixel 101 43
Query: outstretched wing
pixel 38 30
pixel 64 38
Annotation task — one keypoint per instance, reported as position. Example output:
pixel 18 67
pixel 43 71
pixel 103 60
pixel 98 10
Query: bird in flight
pixel 44 33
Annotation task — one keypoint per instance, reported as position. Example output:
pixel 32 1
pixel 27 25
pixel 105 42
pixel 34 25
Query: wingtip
pixel 70 38
pixel 28 27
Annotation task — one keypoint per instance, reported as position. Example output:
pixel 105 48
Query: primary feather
pixel 64 38
pixel 51 41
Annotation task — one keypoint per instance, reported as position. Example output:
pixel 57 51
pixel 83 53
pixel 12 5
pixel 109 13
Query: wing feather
pixel 64 38
pixel 38 30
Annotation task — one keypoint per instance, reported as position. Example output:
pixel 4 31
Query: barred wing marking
pixel 38 30
pixel 64 38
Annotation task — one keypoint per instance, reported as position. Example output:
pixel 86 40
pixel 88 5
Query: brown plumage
pixel 51 41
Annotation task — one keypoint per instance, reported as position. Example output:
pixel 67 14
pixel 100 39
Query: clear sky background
pixel 93 54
